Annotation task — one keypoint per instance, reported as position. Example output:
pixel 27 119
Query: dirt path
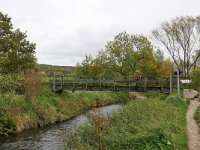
pixel 192 127
pixel 138 95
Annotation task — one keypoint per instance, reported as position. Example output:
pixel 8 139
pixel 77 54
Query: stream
pixel 50 137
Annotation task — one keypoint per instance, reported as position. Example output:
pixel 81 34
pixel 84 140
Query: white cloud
pixel 65 30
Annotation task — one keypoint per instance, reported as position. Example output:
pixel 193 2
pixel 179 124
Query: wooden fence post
pixel 178 84
pixel 145 84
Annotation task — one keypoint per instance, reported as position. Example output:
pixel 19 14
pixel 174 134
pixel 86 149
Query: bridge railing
pixel 116 83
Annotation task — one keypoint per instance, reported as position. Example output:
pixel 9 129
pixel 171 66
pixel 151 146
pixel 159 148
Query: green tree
pixel 16 52
pixel 126 54
pixel 17 55
pixel 85 67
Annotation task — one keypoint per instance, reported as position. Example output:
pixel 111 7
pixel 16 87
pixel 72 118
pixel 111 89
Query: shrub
pixel 32 83
pixel 7 83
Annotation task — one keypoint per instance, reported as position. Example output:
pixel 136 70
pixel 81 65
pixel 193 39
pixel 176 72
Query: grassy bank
pixel 16 114
pixel 197 116
pixel 152 124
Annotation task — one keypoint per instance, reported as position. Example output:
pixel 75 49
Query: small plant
pixel 97 119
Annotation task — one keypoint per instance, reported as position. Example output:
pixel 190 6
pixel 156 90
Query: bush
pixel 32 82
pixel 7 83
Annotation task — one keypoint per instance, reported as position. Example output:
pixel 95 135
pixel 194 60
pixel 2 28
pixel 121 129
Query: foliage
pixel 32 82
pixel 7 83
pixel 180 37
pixel 165 68
pixel 127 52
pixel 16 55
pixel 122 56
pixel 16 52
pixel 88 67
pixel 195 75
pixel 159 55
pixel 148 124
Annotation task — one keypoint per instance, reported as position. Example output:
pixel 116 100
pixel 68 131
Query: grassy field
pixel 16 114
pixel 152 124
pixel 197 116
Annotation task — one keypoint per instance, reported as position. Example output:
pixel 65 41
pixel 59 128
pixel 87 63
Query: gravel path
pixel 192 127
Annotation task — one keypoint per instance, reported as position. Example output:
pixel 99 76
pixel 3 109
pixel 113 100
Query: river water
pixel 50 137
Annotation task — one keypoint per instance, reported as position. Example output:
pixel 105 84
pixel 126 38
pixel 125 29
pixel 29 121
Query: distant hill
pixel 48 69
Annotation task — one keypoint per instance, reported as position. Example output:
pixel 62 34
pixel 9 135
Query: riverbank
pixel 48 108
pixel 155 123
pixel 51 137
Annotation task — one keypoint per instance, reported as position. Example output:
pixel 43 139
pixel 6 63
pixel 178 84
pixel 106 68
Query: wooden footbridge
pixel 102 83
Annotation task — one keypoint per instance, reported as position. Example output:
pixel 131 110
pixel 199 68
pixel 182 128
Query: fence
pixel 115 83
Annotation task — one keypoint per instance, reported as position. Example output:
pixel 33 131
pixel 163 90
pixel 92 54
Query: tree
pixel 17 55
pixel 195 74
pixel 126 54
pixel 181 38
pixel 159 55
pixel 16 52
pixel 165 68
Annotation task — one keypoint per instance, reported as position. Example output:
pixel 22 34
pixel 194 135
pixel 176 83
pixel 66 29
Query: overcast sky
pixel 66 30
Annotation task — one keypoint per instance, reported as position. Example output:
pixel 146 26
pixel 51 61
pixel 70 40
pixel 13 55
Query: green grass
pixel 197 116
pixel 152 124
pixel 16 114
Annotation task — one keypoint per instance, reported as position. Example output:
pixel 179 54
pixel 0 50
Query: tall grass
pixel 150 124
pixel 17 114
pixel 197 116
